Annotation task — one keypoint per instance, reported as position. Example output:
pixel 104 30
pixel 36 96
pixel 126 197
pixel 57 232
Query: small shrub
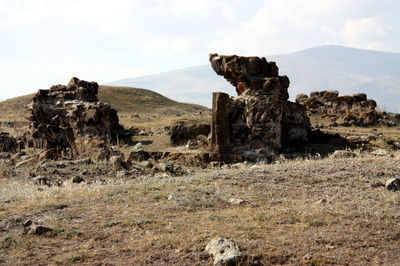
pixel 7 242
pixel 144 221
pixel 75 258
pixel 316 223
pixel 215 217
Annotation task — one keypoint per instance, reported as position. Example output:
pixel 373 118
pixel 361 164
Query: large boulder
pixel 225 251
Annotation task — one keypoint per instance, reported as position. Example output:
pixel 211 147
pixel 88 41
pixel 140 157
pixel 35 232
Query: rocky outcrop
pixel 260 119
pixel 64 113
pixel 342 110
pixel 183 132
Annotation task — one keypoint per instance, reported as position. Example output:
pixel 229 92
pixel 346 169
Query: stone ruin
pixel 260 121
pixel 62 114
pixel 355 110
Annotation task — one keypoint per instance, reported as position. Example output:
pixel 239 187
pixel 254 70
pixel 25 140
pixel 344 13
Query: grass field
pixel 300 212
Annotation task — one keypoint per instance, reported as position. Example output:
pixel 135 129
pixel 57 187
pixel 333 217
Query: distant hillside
pixel 348 70
pixel 124 99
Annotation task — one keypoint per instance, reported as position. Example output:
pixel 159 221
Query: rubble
pixel 62 114
pixel 355 110
pixel 32 228
pixel 393 184
pixel 260 120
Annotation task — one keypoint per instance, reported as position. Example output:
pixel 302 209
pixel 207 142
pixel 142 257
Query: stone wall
pixel 260 119
pixel 63 113
pixel 342 110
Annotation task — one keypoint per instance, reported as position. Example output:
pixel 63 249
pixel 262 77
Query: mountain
pixel 124 99
pixel 329 67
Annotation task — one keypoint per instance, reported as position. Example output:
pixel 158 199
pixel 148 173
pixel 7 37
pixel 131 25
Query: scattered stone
pixel 167 167
pixel 340 154
pixel 77 180
pixel 83 172
pixel 192 144
pixel 359 139
pixel 25 157
pixel 147 164
pixel 225 251
pixel 380 152
pixel 234 201
pixel 137 169
pixel 84 161
pixel 142 133
pixel 215 164
pixel 122 174
pixel 32 228
pixel 255 167
pixel 164 175
pixel 137 153
pixel 43 180
pixel 393 184
pixel 117 162
pixel 321 201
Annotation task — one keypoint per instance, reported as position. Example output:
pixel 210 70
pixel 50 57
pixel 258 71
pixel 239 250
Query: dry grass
pixel 132 222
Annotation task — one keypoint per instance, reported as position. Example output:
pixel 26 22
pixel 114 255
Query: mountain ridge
pixel 328 67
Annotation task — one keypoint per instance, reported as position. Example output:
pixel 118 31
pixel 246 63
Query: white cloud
pixel 290 25
pixel 106 16
pixel 201 8
pixel 46 41
pixel 370 33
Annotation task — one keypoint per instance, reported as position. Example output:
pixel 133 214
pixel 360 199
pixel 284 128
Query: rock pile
pixel 62 114
pixel 260 119
pixel 342 110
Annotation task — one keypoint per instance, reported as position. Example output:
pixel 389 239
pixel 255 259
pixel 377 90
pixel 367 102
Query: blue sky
pixel 45 42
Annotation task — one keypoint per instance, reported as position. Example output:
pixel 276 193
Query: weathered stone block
pixel 220 129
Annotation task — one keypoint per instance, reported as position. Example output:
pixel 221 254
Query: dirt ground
pixel 297 212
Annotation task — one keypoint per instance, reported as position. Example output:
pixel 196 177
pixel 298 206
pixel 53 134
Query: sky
pixel 46 42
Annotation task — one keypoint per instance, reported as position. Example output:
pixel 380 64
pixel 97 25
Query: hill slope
pixel 124 99
pixel 348 70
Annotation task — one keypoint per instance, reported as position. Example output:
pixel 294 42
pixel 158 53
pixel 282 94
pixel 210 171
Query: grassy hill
pixel 126 100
